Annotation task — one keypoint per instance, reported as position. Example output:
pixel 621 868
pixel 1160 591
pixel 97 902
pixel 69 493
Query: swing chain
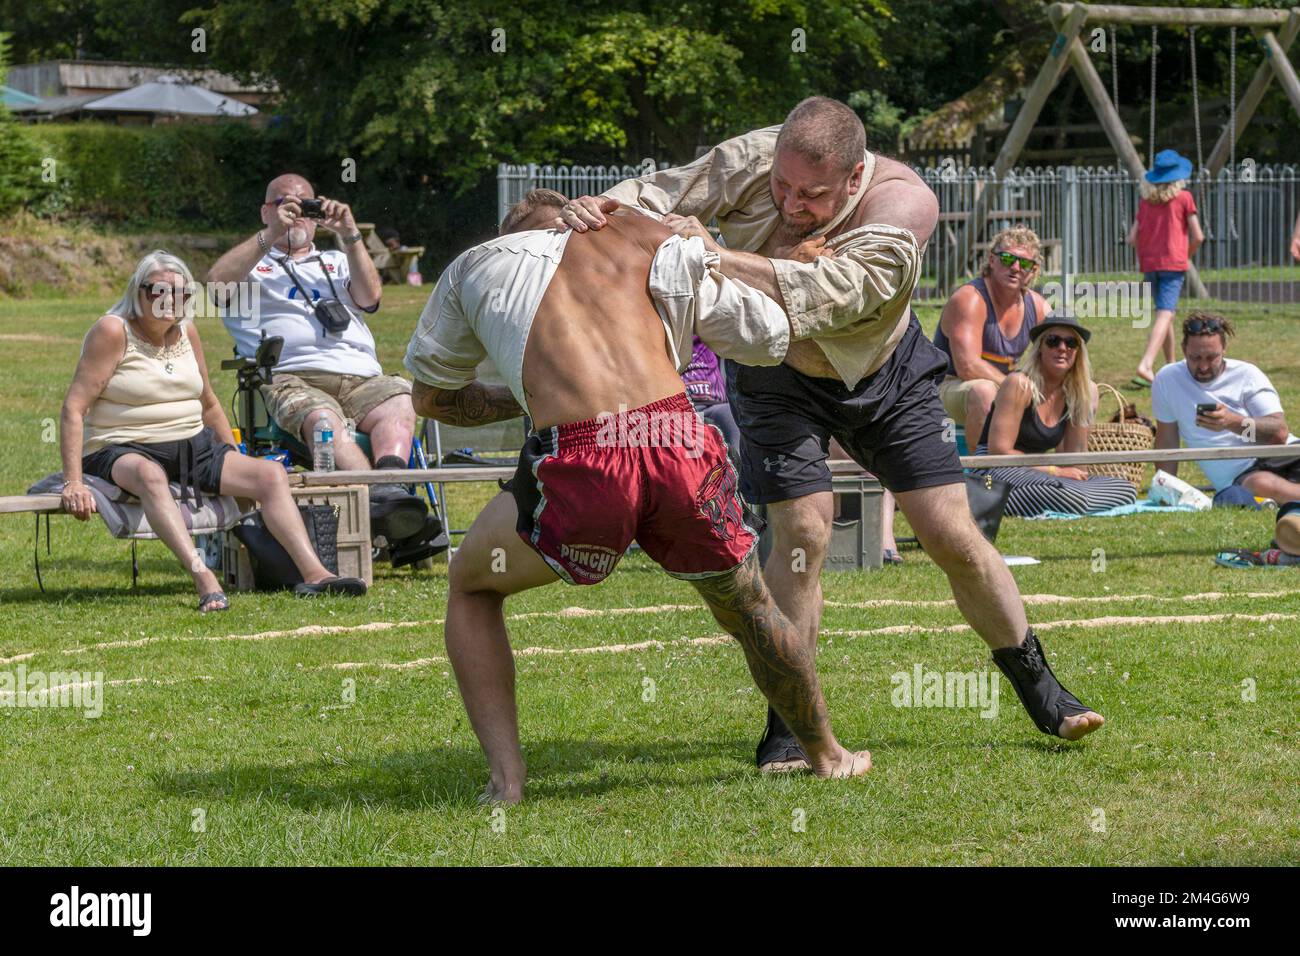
pixel 1232 132
pixel 1151 139
pixel 1196 123
pixel 1114 97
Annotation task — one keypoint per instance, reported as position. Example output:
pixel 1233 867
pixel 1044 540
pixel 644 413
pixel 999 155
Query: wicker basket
pixel 1120 436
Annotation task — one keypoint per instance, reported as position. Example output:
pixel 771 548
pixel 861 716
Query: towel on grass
pixel 1144 506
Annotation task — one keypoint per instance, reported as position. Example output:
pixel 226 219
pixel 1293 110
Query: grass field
pixel 285 732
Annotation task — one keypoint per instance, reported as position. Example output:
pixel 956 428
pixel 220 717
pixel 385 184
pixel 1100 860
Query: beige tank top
pixel 154 396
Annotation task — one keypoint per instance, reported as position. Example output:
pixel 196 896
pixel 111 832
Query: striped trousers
pixel 1034 492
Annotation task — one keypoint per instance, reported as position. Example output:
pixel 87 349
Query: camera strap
pixel 287 264
pixel 331 313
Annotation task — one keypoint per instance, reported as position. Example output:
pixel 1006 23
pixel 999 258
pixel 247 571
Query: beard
pixel 297 238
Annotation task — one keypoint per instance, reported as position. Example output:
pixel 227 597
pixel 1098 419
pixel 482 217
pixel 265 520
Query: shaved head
pixel 822 130
pixel 289 184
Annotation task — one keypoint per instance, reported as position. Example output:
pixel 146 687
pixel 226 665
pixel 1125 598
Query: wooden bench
pixel 392 264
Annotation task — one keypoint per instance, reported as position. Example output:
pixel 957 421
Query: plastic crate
pixel 351 504
pixel 857 529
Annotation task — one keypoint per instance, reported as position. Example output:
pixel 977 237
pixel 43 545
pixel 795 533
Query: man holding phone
pixel 1211 401
pixel 328 371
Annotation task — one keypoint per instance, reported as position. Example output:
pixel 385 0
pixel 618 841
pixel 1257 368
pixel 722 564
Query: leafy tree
pixel 20 166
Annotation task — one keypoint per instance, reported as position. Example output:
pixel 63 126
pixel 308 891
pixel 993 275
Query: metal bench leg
pixel 36 549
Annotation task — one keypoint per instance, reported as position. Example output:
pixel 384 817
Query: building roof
pixel 56 77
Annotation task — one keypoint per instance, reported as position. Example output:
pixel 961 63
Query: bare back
pixel 596 340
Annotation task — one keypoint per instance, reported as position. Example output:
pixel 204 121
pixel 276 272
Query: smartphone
pixel 1204 408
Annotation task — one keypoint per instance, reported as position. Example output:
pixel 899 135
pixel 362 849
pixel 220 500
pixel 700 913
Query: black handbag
pixel 273 569
pixel 988 498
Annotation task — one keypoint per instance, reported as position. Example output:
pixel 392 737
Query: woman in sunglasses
pixel 1048 403
pixel 140 413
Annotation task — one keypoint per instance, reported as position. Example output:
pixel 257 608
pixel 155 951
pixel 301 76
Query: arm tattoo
pixel 778 657
pixel 475 404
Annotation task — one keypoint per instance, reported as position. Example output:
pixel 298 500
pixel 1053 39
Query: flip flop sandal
pixel 1245 558
pixel 216 601
pixel 892 557
pixel 1137 381
pixel 352 587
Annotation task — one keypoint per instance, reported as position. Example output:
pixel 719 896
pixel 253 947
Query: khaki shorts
pixel 292 396
pixel 953 392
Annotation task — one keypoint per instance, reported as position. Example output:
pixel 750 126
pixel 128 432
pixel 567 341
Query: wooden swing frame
pixel 1276 30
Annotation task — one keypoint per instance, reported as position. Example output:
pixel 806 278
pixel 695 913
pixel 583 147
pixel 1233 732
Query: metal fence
pixel 1081 213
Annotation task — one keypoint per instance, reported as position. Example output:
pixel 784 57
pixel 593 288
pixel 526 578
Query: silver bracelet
pixel 261 242
pixel 352 239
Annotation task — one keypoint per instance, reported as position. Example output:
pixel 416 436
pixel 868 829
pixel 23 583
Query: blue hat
pixel 1169 167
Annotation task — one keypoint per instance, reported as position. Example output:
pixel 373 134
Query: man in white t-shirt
pixel 328 371
pixel 1246 411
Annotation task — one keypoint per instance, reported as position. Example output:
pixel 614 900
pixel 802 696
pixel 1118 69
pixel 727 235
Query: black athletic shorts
pixel 892 424
pixel 193 462
pixel 1286 468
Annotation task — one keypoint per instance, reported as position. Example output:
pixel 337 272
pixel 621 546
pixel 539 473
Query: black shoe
pixel 352 587
pixel 395 512
pixel 778 747
pixel 430 540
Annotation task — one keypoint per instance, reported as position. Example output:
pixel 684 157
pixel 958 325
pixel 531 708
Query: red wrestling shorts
pixel 657 475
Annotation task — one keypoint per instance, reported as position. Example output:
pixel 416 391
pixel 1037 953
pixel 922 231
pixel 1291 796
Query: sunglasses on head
pixel 1009 258
pixel 1055 341
pixel 1202 326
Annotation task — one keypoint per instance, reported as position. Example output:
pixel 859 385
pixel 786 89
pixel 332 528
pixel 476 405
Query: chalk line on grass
pixel 1033 600
pixel 314 630
pixel 536 651
pixel 1093 622
pixel 82 685
pixel 874 632
pixel 18 657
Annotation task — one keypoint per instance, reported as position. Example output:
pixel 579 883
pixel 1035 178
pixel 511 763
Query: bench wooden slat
pixel 30 504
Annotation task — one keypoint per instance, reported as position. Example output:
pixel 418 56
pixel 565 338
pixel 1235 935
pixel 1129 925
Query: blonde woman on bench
pixel 141 413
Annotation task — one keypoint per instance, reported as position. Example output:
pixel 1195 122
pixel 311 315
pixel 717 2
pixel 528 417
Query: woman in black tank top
pixel 1046 404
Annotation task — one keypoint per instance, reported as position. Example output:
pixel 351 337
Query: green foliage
pixel 20 179
pixel 206 177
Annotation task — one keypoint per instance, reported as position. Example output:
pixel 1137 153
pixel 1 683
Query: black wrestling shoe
pixel 1046 701
pixel 352 587
pixel 395 512
pixel 779 746
pixel 429 541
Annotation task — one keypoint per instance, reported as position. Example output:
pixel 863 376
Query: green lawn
pixel 220 743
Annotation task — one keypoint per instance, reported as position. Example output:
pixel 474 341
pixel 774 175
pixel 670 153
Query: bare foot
pixel 1080 725
pixel 495 795
pixel 846 764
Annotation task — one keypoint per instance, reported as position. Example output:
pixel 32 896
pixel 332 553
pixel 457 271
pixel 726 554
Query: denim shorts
pixel 1167 286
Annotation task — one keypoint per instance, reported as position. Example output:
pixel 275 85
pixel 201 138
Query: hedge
pixel 198 176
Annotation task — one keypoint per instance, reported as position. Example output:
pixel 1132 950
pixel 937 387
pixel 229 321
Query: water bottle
pixel 322 448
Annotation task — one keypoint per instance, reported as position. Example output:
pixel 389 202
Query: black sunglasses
pixel 159 290
pixel 1202 326
pixel 1055 341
